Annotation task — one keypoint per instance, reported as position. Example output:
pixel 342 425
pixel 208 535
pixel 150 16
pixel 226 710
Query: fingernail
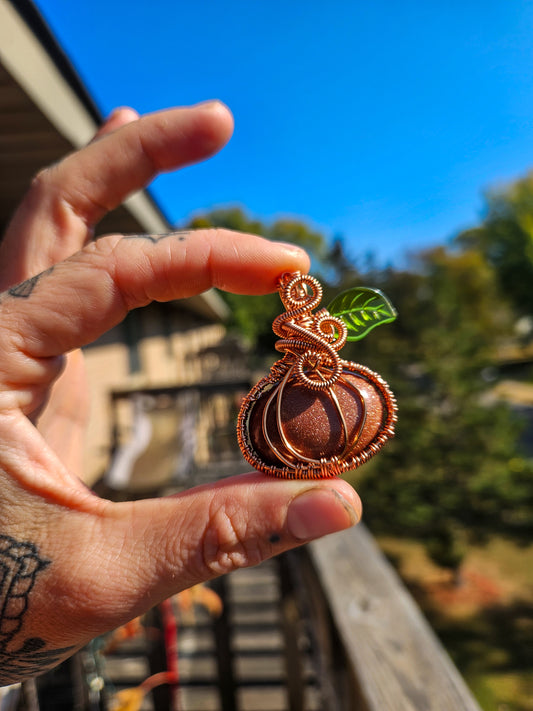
pixel 119 110
pixel 209 104
pixel 318 512
pixel 291 247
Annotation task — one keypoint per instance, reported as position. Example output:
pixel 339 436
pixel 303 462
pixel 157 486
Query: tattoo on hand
pixel 181 236
pixel 24 289
pixel 20 564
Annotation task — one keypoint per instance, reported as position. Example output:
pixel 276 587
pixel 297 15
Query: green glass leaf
pixel 362 309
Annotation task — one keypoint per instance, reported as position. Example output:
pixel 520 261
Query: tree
pixel 454 472
pixel 505 238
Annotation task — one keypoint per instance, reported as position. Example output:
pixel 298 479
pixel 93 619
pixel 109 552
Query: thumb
pixel 169 544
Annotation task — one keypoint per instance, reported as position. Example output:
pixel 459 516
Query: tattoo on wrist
pixel 20 564
pixel 181 236
pixel 25 289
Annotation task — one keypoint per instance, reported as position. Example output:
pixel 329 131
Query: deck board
pixel 398 661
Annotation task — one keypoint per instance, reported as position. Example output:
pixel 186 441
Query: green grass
pixel 503 692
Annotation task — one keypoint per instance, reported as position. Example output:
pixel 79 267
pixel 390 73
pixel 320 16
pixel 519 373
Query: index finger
pixel 89 293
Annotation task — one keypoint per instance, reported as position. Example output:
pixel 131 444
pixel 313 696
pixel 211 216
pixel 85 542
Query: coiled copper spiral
pixel 312 339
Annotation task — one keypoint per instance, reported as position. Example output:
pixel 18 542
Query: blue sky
pixel 381 121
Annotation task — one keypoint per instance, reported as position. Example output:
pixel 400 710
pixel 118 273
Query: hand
pixel 72 565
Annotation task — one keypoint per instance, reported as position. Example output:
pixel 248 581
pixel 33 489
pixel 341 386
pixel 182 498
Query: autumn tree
pixel 454 473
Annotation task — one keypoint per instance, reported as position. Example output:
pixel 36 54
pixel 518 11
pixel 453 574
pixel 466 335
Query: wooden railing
pixel 396 661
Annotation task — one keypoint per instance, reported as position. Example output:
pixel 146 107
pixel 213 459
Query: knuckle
pixel 44 184
pixel 70 196
pixel 212 235
pixel 228 544
pixel 215 233
pixel 40 181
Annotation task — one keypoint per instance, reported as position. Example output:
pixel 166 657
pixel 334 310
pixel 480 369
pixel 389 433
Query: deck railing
pixel 396 661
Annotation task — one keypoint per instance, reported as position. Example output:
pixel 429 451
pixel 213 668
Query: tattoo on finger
pixel 181 236
pixel 25 289
pixel 20 564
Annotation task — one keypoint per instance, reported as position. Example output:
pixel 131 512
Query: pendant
pixel 315 415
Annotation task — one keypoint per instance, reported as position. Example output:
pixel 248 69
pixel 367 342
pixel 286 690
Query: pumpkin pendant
pixel 315 415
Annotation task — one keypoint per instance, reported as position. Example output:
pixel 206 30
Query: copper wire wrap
pixel 310 343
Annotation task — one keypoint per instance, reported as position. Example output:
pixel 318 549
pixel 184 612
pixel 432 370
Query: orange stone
pixel 311 422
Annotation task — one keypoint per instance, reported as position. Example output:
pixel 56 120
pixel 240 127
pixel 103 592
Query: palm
pixel 63 407
pixel 63 419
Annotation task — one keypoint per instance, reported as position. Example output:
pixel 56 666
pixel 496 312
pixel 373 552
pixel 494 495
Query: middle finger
pixel 67 199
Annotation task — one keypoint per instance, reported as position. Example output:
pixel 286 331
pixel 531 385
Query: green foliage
pixel 505 238
pixel 446 477
pixel 252 317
